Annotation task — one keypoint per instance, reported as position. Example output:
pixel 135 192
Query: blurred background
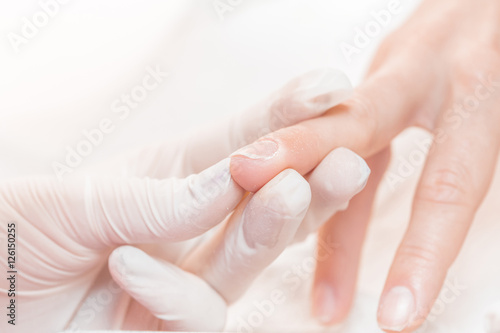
pixel 65 66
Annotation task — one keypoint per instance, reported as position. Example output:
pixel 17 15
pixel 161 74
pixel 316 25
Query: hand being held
pixel 439 71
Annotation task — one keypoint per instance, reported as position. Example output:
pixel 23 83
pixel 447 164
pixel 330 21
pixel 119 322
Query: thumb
pixel 113 211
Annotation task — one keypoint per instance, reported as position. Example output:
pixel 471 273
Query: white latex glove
pixel 183 298
pixel 66 230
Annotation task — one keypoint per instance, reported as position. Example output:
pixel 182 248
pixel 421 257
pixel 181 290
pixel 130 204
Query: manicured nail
pixel 324 303
pixel 396 309
pixel 259 150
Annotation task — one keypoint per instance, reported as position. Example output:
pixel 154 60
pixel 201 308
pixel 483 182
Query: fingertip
pixel 126 262
pixel 117 262
pixel 258 231
pixel 330 303
pixel 168 292
pixel 250 174
pixel 397 309
pixel 288 193
pixel 324 303
pixel 274 213
pixel 340 175
pixel 294 147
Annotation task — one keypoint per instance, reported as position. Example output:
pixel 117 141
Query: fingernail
pixel 324 303
pixel 396 309
pixel 259 150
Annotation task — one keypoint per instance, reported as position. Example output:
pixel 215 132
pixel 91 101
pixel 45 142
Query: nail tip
pixel 261 150
pixel 392 328
pixel 325 304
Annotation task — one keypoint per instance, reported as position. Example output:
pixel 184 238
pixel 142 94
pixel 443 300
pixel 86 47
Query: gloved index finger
pixel 256 233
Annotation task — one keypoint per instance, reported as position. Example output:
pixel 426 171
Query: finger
pixel 113 211
pixel 378 110
pixel 454 181
pixel 257 232
pixel 304 97
pixel 180 300
pixel 339 250
pixel 339 177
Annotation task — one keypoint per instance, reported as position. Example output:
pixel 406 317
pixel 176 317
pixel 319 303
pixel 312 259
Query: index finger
pixel 378 110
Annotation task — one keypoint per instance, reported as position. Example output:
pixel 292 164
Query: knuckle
pixel 468 68
pixel 484 52
pixel 421 255
pixel 446 186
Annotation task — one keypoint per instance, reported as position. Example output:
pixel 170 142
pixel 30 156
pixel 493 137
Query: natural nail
pixel 324 303
pixel 396 309
pixel 259 150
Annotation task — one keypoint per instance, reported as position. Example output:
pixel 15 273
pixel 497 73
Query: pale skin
pixel 439 71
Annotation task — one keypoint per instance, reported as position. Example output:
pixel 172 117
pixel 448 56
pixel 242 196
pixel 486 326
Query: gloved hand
pixel 65 231
pixel 194 295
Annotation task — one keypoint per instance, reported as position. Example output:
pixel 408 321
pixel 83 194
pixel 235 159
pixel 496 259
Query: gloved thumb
pixel 179 300
pixel 103 212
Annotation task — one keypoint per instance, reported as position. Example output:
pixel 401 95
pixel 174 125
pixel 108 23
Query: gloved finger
pixel 304 97
pixel 340 242
pixel 378 110
pixel 257 232
pixel 455 179
pixel 180 300
pixel 336 180
pixel 112 211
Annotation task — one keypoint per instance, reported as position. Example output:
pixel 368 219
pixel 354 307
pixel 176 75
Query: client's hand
pixel 440 71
